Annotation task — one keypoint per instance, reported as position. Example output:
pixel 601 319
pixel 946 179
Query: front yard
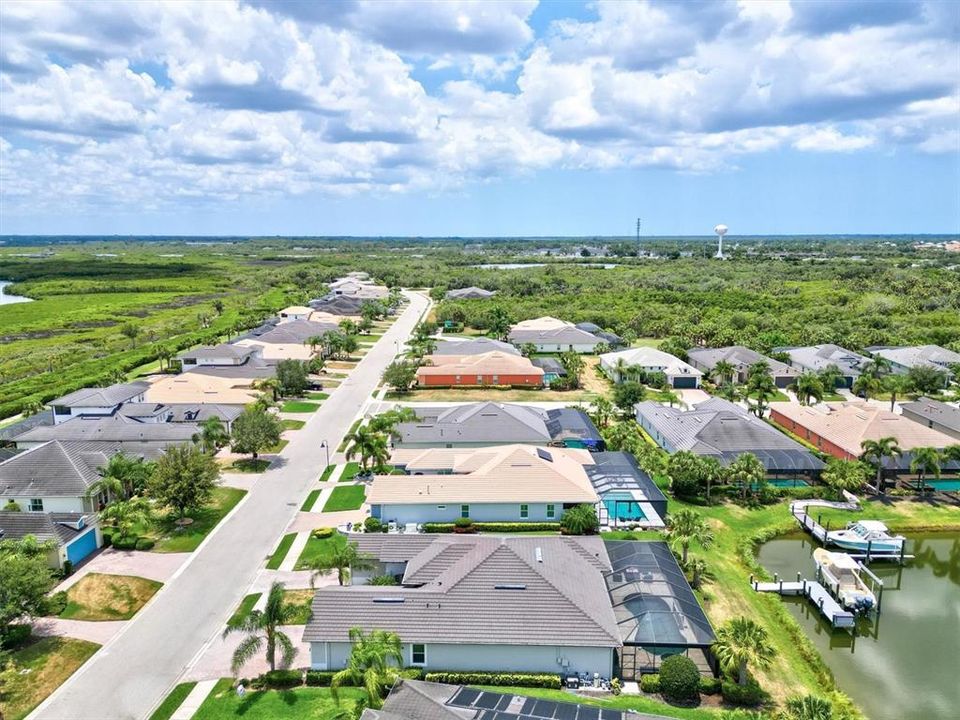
pixel 302 598
pixel 299 406
pixel 317 549
pixel 108 597
pixel 49 662
pixel 345 497
pixel 304 702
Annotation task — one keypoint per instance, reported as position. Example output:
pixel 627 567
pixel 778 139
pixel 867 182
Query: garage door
pixel 82 546
pixel 685 383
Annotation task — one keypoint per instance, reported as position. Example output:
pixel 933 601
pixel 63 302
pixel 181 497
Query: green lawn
pixel 317 395
pixel 311 499
pixel 299 406
pixel 281 552
pixel 343 443
pixel 247 465
pixel 50 661
pixel 639 703
pixel 313 703
pixel 316 549
pixel 345 497
pixel 172 701
pixel 246 605
pixel 274 449
pixel 327 472
pixel 302 599
pixel 292 424
pixel 108 597
pixel 349 472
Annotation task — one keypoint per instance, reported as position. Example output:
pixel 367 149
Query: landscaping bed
pixel 345 497
pixel 108 597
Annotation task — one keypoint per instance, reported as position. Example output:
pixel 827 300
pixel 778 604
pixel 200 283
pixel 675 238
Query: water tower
pixel 720 230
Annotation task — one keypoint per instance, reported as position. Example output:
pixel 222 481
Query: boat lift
pixel 819 533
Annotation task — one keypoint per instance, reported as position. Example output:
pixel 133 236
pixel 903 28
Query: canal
pixel 905 663
pixel 6 299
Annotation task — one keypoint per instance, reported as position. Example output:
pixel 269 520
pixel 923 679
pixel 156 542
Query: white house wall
pixel 479 512
pixel 53 504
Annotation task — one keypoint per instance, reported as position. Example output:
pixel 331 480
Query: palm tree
pixel 808 707
pixel 262 627
pixel 602 411
pixel 163 355
pixel 877 368
pixel 621 369
pixel 672 397
pixel 729 392
pixel 748 471
pixel 866 385
pixel 807 386
pixel 213 435
pixel 723 371
pixel 922 461
pixel 875 451
pixel 343 559
pixel 121 477
pixel 125 515
pixel 896 385
pixel 741 643
pixel 713 472
pixel 366 443
pixel 686 526
pixel 698 567
pixel 849 475
pixel 830 376
pixel 373 664
pixel 271 385
pixel 760 387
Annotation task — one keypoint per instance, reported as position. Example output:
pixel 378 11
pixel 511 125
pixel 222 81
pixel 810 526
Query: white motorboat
pixel 841 574
pixel 872 534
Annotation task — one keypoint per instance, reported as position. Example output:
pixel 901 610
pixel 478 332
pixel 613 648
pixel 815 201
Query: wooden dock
pixel 815 593
pixel 819 533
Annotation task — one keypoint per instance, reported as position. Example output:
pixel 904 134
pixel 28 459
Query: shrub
pixel 281 678
pixel 67 568
pixel 710 685
pixel 15 635
pixel 319 678
pixel 56 603
pixel 372 525
pixel 534 680
pixel 463 525
pixel 12 506
pixel 650 683
pixel 322 533
pixel 679 679
pixel 124 543
pixel 749 694
pixel 107 540
pixel 144 544
pixel 580 520
pixel 615 686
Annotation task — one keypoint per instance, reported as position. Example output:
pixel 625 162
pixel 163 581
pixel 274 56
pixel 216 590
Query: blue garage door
pixel 82 546
pixel 685 383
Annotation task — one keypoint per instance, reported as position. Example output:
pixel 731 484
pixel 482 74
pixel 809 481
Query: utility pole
pixel 638 238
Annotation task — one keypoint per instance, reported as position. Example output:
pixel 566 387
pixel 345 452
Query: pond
pixel 6 299
pixel 904 663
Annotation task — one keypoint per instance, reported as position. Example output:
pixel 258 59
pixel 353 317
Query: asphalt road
pixel 132 673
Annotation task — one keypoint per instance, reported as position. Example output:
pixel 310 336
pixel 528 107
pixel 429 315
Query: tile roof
pixel 470 293
pixel 819 357
pixel 102 397
pixel 115 428
pixel 740 357
pixel 489 363
pixel 54 469
pixel 934 411
pixel 566 334
pixel 475 346
pixel 297 331
pixel 195 387
pixel 649 357
pixel 182 412
pixel 497 592
pixel 917 355
pixel 476 423
pixel 223 350
pixel 59 527
pixel 504 473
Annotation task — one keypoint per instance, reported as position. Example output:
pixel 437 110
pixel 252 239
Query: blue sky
pixel 358 117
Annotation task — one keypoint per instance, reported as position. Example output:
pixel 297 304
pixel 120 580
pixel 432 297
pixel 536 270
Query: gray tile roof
pixel 338 305
pixel 567 335
pixel 476 346
pixel 611 339
pixel 114 428
pixel 819 357
pixel 482 422
pixel 59 527
pixel 102 397
pixel 924 409
pixel 549 365
pixel 296 332
pixel 917 355
pixel 54 469
pixel 470 293
pixel 497 583
pixel 740 357
pixel 223 350
pixel 44 417
pixel 255 369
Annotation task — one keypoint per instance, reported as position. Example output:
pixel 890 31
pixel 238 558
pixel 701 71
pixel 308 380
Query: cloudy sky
pixel 368 117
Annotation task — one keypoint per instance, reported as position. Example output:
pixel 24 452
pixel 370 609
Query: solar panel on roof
pixel 464 697
pixel 566 711
pixel 544 708
pixel 544 455
pixel 487 700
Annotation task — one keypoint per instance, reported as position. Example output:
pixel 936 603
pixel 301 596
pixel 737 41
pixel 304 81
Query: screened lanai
pixel 656 610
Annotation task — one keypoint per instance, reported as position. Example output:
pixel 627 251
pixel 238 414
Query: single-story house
pixel 222 354
pixel 503 483
pixel 474 346
pixel 296 332
pixel 628 495
pixel 138 438
pixel 742 358
pixel 482 424
pixel 552 368
pixel 476 602
pixel 356 288
pixel 74 535
pixel 492 368
pixel 470 293
pixel 96 401
pixel 340 305
pixel 296 312
pixel 839 428
pixel 934 414
pixel 902 359
pixel 272 351
pixel 723 430
pixel 199 387
pixel 548 334
pixel 679 374
pixel 816 358
pixel 180 412
pixel 613 340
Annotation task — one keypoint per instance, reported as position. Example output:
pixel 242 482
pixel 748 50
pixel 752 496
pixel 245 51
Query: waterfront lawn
pixel 299 406
pixel 292 424
pixel 276 560
pixel 50 661
pixel 345 497
pixel 303 702
pixel 898 515
pixel 317 549
pixel 638 703
pixel 97 596
pixel 349 472
pixel 172 701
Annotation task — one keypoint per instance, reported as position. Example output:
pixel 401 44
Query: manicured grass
pixel 639 703
pixel 372 336
pixel 899 516
pixel 274 449
pixel 247 465
pixel 174 538
pixel 345 497
pixel 327 472
pixel 316 549
pixel 299 406
pixel 778 397
pixel 300 598
pixel 281 552
pixel 172 701
pixel 108 597
pixel 314 703
pixel 311 499
pixel 244 609
pixel 292 424
pixel 349 472
pixel 353 427
pixel 317 395
pixel 50 662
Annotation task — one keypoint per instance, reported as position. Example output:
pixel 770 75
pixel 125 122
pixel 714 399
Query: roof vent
pixel 389 600
pixel 509 587
pixel 544 455
pixel 539 555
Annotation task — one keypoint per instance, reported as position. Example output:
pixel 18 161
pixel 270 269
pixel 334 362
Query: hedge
pixel 750 694
pixel 323 678
pixel 280 679
pixel 650 683
pixel 504 527
pixel 144 544
pixel 122 543
pixel 532 680
pixel 710 685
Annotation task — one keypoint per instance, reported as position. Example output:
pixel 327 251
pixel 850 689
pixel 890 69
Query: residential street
pixel 134 671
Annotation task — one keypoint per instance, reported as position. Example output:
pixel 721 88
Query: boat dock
pixel 816 593
pixel 819 533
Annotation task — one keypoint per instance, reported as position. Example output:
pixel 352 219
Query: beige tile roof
pixel 508 473
pixel 542 323
pixel 491 363
pixel 847 424
pixel 278 351
pixel 193 387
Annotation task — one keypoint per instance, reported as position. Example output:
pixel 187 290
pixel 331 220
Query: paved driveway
pixel 130 675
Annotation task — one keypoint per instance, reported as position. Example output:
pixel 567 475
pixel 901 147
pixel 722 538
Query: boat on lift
pixel 863 534
pixel 841 575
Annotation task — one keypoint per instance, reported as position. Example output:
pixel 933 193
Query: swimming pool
pixel 656 623
pixel 622 506
pixel 944 485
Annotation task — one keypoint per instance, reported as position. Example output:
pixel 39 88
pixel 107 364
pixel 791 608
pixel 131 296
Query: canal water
pixel 6 299
pixel 904 664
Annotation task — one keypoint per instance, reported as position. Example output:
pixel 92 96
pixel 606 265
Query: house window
pixel 458 379
pixel 551 511
pixel 464 511
pixel 479 379
pixel 496 379
pixel 61 410
pixel 524 512
pixel 441 507
pixel 36 505
pixel 418 654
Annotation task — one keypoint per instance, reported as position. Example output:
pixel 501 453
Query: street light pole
pixel 326 447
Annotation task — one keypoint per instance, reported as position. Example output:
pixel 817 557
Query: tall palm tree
pixel 620 368
pixel 343 559
pixel 896 385
pixel 922 461
pixel 687 526
pixel 723 371
pixel 125 515
pixel 713 472
pixel 269 385
pixel 866 385
pixel 213 435
pixel 602 411
pixel 830 376
pixel 672 397
pixel 876 451
pixel 807 386
pixel 877 368
pixel 760 387
pixel 262 628
pixel 367 444
pixel 747 471
pixel 121 477
pixel 374 664
pixel 741 643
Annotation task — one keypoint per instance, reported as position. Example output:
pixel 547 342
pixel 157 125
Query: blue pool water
pixel 622 506
pixel 943 485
